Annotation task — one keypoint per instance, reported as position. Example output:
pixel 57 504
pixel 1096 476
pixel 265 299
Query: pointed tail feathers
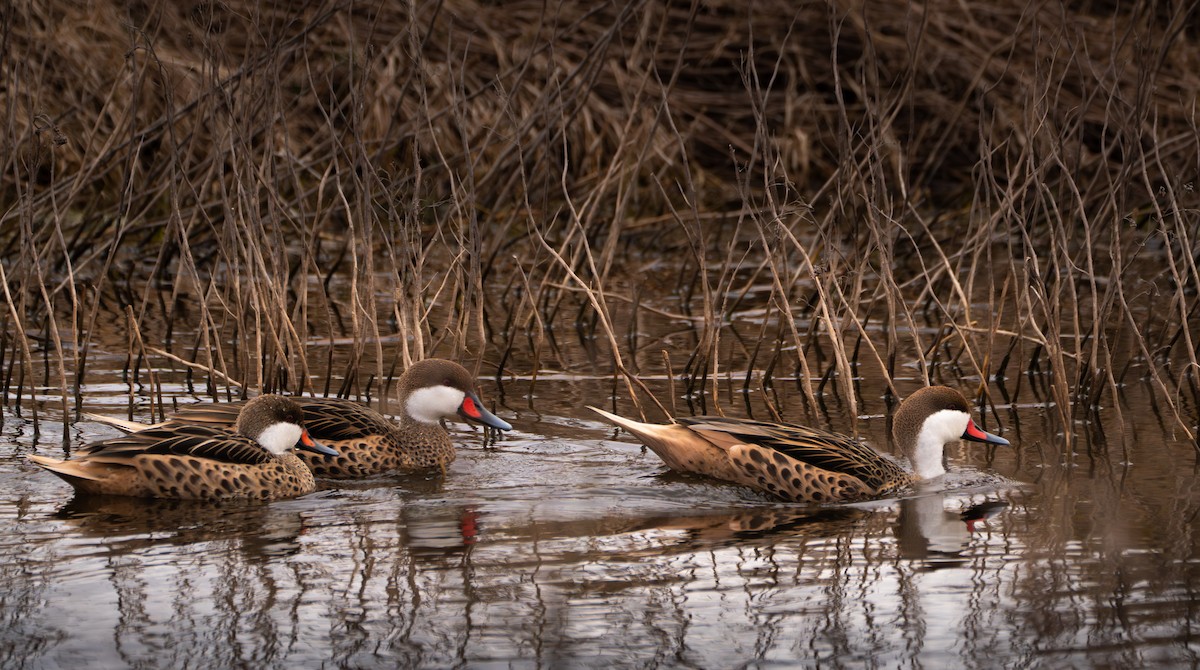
pixel 70 471
pixel 121 424
pixel 680 448
pixel 649 433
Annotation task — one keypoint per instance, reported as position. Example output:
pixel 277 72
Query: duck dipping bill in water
pixel 809 464
pixel 367 442
pixel 254 459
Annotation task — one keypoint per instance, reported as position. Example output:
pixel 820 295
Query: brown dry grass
pixel 991 189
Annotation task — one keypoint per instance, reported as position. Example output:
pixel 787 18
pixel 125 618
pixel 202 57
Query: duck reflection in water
pixel 927 531
pixel 128 525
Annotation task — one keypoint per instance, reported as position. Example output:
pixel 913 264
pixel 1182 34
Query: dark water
pixel 567 545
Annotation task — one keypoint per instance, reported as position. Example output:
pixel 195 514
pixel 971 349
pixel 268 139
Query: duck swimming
pixel 808 464
pixel 254 459
pixel 367 442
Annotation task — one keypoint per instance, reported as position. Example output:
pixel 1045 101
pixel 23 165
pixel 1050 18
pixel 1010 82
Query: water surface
pixel 566 544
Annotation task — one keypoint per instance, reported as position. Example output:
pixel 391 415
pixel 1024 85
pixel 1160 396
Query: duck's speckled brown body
pixel 254 460
pixel 799 463
pixel 809 464
pixel 368 443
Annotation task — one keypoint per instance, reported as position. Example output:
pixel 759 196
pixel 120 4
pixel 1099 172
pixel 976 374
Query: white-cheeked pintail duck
pixel 366 441
pixel 808 464
pixel 254 459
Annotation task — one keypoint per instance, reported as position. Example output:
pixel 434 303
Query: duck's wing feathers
pixel 183 440
pixel 815 447
pixel 337 419
pixel 217 415
pixel 325 418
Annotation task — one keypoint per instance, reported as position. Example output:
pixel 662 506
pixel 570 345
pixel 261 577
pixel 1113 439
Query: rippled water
pixel 568 545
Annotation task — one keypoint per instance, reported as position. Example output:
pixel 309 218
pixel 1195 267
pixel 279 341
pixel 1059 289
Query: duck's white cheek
pixel 430 405
pixel 280 438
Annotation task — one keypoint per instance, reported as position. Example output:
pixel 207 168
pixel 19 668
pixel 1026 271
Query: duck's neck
pixel 928 448
pixel 927 457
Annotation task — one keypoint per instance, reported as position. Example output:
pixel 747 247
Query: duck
pixel 802 464
pixel 367 442
pixel 255 458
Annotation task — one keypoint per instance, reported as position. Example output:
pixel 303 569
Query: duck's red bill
pixel 975 435
pixel 309 444
pixel 472 409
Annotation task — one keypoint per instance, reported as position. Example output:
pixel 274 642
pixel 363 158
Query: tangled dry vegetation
pixel 998 191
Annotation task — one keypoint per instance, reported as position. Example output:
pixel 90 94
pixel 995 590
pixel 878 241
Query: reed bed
pixel 999 192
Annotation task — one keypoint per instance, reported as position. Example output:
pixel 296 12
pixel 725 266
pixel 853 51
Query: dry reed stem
pixel 889 174
pixel 22 339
